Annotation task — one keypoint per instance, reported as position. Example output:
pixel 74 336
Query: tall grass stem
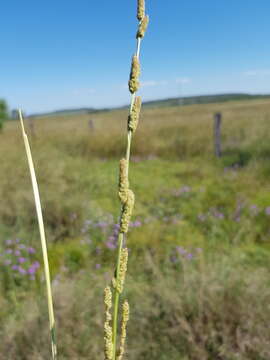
pixel 133 90
pixel 42 238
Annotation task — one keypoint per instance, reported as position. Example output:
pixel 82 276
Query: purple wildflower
pixel 31 270
pixel 102 224
pixel 36 265
pixel 22 270
pixel 21 260
pixel 31 250
pixel 267 210
pixel 110 245
pixel 181 250
pixel 137 223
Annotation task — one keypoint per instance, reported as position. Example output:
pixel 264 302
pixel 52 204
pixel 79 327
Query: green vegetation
pixel 3 113
pixel 198 280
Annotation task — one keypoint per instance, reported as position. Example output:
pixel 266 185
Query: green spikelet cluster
pixel 125 318
pixel 108 334
pixel 118 283
pixel 123 181
pixel 134 115
pixel 126 196
pixel 133 83
pixel 143 27
pixel 127 212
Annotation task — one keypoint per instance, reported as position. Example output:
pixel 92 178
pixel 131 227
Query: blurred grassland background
pixel 198 279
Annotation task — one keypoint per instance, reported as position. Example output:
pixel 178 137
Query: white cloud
pixel 149 83
pixel 258 72
pixel 184 80
pixel 153 83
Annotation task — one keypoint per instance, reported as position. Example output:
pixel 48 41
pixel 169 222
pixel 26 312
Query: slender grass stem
pixel 133 89
pixel 42 238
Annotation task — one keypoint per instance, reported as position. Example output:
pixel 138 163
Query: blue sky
pixel 65 54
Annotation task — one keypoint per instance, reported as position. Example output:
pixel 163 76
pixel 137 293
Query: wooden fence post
pixel 217 133
pixel 91 125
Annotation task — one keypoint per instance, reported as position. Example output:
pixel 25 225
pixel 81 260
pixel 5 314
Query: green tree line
pixel 3 113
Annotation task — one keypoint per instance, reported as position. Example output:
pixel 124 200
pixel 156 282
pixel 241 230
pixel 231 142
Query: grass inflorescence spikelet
pixel 143 27
pixel 123 181
pixel 140 9
pixel 134 115
pixel 125 318
pixel 107 326
pixel 127 212
pixel 133 83
pixel 118 283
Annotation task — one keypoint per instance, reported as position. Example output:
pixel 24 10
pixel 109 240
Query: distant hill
pixel 63 112
pixel 188 100
pixel 203 99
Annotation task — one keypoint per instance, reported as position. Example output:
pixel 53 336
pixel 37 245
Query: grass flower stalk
pixel 126 196
pixel 42 238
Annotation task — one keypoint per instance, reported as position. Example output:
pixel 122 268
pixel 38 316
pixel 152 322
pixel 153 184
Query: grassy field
pixel 199 266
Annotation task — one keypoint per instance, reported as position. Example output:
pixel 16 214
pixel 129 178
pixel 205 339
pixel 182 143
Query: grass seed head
pixel 118 283
pixel 122 270
pixel 140 9
pixel 125 318
pixel 134 115
pixel 108 334
pixel 125 311
pixel 108 297
pixel 123 181
pixel 143 27
pixel 133 83
pixel 127 211
pixel 108 342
